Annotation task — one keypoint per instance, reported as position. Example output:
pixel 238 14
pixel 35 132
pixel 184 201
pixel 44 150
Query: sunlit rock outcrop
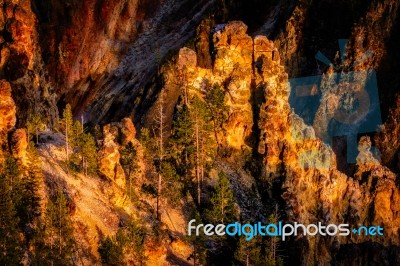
pixel 109 156
pixel 19 145
pixel 231 70
pixel 8 116
pixel 7 108
pixel 313 189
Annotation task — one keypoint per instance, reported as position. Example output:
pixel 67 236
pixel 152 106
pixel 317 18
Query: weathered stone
pixel 186 58
pixel 128 131
pixel 109 156
pixel 19 145
pixel 7 107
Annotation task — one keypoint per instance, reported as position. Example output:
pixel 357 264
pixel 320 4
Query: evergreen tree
pixel 173 184
pixel 222 202
pixel 182 149
pixel 215 99
pixel 135 238
pixel 68 128
pixel 272 258
pixel 55 241
pixel 10 238
pixel 199 253
pixel 204 146
pixel 111 249
pixel 166 168
pixel 34 125
pixel 148 143
pixel 150 148
pixel 260 251
pixel 86 149
pixel 129 163
pixel 26 198
pixel 20 204
pixel 83 144
pixel 89 152
pixel 251 252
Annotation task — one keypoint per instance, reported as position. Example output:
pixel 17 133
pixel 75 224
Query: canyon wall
pixel 111 59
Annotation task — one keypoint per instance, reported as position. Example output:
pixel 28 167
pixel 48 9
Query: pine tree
pixel 55 241
pixel 172 181
pixel 34 125
pixel 150 146
pixel 10 239
pixel 251 252
pixel 199 253
pixel 129 163
pixel 222 202
pixel 111 249
pixel 135 238
pixel 182 149
pixel 259 250
pixel 68 128
pixel 83 144
pixel 11 171
pixel 272 258
pixel 204 146
pixel 88 153
pixel 27 200
pixel 215 99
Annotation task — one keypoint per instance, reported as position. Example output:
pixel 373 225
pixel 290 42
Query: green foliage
pixel 218 109
pixel 55 242
pixel 84 157
pixel 260 250
pixel 35 123
pixel 222 202
pixel 183 127
pixel 129 241
pixel 172 190
pixel 251 252
pixel 19 206
pixel 67 122
pixel 182 148
pixel 111 250
pixel 199 254
pixel 128 158
pixel 150 149
pixel 135 239
pixel 146 140
pixel 10 239
pixel 128 161
pixel 25 197
pixel 85 149
pixel 150 190
pixel 204 120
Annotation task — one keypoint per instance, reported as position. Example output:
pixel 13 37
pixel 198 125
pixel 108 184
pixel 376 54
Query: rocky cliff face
pixel 111 59
pixel 312 187
pixel 231 69
pixel 7 114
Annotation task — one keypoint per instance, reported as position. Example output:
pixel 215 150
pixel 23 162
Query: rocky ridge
pixel 312 186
